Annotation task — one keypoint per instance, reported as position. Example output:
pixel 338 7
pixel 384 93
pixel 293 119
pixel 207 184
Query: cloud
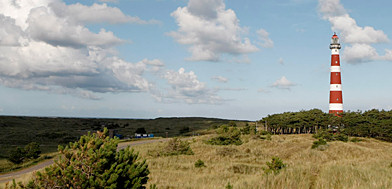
pixel 283 83
pixel 187 88
pixel 262 90
pixel 45 45
pixel 359 38
pixel 96 13
pixel 10 34
pixel 210 30
pixel 59 31
pixel 281 61
pixel 108 1
pixel 220 79
pixel 266 42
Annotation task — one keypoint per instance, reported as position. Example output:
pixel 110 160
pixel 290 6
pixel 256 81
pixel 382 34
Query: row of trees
pixel 373 123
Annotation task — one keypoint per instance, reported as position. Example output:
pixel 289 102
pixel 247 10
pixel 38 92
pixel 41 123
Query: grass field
pixel 365 164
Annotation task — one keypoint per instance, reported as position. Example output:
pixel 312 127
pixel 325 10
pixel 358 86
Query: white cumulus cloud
pixel 283 83
pixel 266 42
pixel 220 79
pixel 210 30
pixel 45 45
pixel 186 87
pixel 359 39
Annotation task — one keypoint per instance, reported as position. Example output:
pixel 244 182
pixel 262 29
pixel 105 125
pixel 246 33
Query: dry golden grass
pixel 363 164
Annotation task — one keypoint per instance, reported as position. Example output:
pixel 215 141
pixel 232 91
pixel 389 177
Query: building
pixel 335 93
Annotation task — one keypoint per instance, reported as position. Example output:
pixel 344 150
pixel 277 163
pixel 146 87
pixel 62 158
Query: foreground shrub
pixel 176 146
pixel 274 166
pixel 94 162
pixel 227 136
pixel 199 163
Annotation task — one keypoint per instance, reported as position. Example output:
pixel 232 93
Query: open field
pixel 365 164
pixel 50 132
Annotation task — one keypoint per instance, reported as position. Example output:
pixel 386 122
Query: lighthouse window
pixel 337 99
pixel 336 62
pixel 336 73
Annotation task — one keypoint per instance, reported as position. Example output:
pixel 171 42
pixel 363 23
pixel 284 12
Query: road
pixel 12 175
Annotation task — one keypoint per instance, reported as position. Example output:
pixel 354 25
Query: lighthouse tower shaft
pixel 335 93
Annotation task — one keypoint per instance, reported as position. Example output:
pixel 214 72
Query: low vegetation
pixel 226 136
pixel 29 152
pixel 364 164
pixel 49 132
pixel 274 166
pixel 92 162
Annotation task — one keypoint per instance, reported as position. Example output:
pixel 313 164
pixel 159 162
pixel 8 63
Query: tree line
pixel 372 123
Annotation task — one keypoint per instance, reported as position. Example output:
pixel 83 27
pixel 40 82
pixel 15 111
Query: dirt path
pixel 12 175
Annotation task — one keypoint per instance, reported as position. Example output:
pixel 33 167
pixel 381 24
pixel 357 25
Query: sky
pixel 198 58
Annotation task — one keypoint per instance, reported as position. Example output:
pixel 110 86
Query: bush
pixel 318 143
pixel 17 156
pixel 232 124
pixel 176 146
pixel 355 139
pixel 32 150
pixel 94 162
pixel 229 186
pixel 275 165
pixel 340 137
pixel 199 163
pixel 324 134
pixel 228 136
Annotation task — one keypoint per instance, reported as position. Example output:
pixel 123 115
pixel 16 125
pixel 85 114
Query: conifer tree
pixel 94 162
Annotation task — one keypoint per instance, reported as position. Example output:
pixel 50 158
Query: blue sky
pixel 174 58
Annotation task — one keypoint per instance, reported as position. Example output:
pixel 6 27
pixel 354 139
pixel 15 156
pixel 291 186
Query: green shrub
pixel 355 139
pixel 176 146
pixel 324 134
pixel 94 162
pixel 17 156
pixel 318 143
pixel 246 129
pixel 340 137
pixel 199 163
pixel 32 150
pixel 274 166
pixel 232 124
pixel 229 186
pixel 229 136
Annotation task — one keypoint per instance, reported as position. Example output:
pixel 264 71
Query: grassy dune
pixel 363 164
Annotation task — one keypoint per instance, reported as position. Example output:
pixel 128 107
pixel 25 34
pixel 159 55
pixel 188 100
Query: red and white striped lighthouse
pixel 335 93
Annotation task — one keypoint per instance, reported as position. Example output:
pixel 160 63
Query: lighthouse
pixel 335 92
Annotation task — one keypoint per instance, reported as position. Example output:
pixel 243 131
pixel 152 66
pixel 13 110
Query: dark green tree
pixel 32 150
pixel 94 162
pixel 17 156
